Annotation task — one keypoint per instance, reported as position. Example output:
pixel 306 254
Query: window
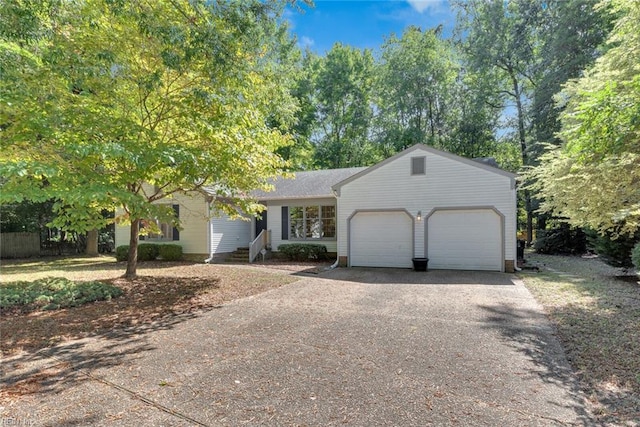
pixel 312 222
pixel 166 231
pixel 418 166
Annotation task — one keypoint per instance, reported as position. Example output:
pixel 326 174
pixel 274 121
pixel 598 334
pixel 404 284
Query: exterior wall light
pixel 419 216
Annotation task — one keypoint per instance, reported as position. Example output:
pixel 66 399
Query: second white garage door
pixel 381 239
pixel 465 240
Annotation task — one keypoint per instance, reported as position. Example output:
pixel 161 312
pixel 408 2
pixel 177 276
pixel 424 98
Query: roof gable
pixel 430 150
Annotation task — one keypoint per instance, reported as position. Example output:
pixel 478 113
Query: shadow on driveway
pixel 528 332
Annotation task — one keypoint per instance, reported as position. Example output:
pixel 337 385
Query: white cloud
pixel 421 6
pixel 306 42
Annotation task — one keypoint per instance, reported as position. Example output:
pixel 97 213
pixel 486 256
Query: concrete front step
pixel 241 255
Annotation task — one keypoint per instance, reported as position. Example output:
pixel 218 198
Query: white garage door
pixel 464 240
pixel 381 239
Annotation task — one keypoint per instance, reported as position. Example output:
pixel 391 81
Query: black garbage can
pixel 420 264
pixel 520 248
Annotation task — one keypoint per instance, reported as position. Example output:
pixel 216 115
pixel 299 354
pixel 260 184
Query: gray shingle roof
pixel 307 184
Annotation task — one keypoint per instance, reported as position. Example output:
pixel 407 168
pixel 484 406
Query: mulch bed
pixel 179 289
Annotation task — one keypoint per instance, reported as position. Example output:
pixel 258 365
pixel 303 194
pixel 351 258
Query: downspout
pixel 209 226
pixel 335 194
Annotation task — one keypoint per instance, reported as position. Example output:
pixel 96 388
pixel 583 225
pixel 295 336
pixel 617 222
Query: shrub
pixel 170 252
pixel 148 251
pixel 304 251
pixel 614 251
pixel 122 253
pixel 561 239
pixel 52 293
pixel 635 257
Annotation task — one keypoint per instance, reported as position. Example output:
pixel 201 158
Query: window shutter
pixel 285 223
pixel 176 232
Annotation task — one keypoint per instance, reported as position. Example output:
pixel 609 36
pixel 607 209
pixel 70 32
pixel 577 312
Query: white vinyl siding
pixel 228 235
pixel 447 182
pixel 193 217
pixel 274 221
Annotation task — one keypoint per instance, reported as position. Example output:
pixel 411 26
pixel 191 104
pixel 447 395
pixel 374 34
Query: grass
pixel 52 293
pixel 597 316
pixel 163 290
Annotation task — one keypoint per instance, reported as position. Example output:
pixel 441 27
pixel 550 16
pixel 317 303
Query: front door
pixel 261 223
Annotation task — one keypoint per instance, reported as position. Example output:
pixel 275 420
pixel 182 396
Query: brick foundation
pixel 509 266
pixel 342 261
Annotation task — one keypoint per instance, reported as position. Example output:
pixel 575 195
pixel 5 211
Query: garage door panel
pixel 381 239
pixel 465 240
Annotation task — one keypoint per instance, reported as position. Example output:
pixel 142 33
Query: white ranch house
pixel 420 203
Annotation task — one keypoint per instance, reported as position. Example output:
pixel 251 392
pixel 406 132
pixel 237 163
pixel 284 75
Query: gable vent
pixel 418 165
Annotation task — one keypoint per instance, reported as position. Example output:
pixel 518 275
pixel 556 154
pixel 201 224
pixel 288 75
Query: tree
pixel 343 84
pixel 126 103
pixel 593 178
pixel 572 34
pixel 416 79
pixel 500 42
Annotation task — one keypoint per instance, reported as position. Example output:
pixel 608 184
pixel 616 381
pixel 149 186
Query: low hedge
pixel 122 253
pixel 148 251
pixel 635 257
pixel 52 293
pixel 151 252
pixel 303 251
pixel 169 252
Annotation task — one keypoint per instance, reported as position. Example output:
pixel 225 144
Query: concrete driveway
pixel 359 347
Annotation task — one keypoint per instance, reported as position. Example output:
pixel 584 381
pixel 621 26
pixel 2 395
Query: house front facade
pixel 421 203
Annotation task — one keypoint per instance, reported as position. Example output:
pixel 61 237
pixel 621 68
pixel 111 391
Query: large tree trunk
pixel 92 243
pixel 132 261
pixel 523 147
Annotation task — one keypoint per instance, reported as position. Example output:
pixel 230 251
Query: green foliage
pixel 303 251
pixel 343 82
pixel 53 293
pixel 170 252
pixel 25 216
pixel 122 253
pixel 574 33
pixel 148 251
pixel 100 97
pixel 415 90
pixel 561 239
pixel 592 179
pixel 615 250
pixel 635 257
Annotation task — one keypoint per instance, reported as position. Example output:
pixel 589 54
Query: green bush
pixel 53 293
pixel 122 253
pixel 561 239
pixel 635 257
pixel 148 251
pixel 170 252
pixel 304 251
pixel 614 251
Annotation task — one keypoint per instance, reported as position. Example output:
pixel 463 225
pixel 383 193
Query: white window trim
pixel 304 223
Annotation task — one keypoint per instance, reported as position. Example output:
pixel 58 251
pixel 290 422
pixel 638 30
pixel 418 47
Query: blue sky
pixel 364 23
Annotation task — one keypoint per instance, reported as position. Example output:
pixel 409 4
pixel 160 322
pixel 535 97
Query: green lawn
pixel 597 316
